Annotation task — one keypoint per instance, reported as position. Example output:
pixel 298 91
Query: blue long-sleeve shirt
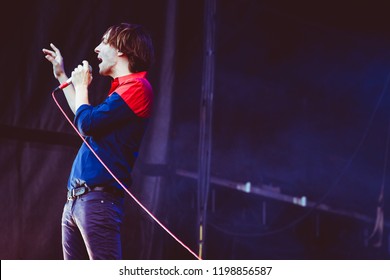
pixel 114 129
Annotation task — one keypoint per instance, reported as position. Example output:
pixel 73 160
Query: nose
pixel 97 49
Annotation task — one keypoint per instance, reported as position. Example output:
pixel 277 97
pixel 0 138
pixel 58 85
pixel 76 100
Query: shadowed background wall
pixel 301 105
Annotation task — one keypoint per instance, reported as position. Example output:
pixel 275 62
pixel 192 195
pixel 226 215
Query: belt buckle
pixel 73 193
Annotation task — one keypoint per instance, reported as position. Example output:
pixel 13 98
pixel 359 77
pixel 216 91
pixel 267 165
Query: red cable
pixel 120 183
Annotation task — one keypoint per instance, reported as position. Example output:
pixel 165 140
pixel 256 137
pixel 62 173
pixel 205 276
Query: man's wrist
pixel 62 78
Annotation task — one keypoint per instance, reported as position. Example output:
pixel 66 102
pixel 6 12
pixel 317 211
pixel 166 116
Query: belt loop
pixel 86 186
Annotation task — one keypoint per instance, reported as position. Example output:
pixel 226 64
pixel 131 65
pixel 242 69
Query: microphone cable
pixel 121 184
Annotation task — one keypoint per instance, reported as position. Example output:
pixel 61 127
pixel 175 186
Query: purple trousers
pixel 91 226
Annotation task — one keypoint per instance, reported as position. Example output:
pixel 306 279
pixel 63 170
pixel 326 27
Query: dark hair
pixel 135 42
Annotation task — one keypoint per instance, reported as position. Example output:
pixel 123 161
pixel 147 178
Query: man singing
pixel 93 213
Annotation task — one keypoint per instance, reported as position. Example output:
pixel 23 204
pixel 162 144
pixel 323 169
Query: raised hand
pixel 55 57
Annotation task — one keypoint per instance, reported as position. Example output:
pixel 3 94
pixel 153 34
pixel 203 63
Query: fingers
pixel 85 65
pixel 49 55
pixel 49 58
pixel 52 54
pixel 46 51
pixel 82 67
pixel 83 70
pixel 77 70
pixel 57 51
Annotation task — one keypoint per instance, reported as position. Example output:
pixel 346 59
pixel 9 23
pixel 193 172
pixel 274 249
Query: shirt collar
pixel 123 79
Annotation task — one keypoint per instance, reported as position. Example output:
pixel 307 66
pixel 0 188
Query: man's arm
pixel 55 57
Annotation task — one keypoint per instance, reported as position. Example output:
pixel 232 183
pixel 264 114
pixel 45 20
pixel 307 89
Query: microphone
pixel 69 81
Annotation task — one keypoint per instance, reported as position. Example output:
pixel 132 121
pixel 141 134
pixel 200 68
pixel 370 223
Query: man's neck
pixel 121 68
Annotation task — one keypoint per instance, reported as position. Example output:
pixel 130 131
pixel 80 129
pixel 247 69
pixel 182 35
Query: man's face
pixel 108 57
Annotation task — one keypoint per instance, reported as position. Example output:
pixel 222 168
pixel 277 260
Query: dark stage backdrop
pixel 300 108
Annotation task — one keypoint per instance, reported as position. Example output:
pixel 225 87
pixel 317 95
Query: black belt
pixel 76 192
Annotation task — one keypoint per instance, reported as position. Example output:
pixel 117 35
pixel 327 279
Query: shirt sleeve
pixel 100 119
pixel 129 101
